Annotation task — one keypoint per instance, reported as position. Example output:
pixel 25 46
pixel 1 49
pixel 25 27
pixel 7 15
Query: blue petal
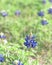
pixel 34 44
pixel 17 12
pixel 50 1
pixel 27 38
pixel 3 36
pixel 44 22
pixel 1 59
pixel 50 10
pixel 40 13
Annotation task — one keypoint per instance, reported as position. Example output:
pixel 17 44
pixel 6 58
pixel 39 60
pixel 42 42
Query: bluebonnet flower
pixel 17 12
pixel 19 63
pixel 33 43
pixel 50 1
pixel 30 42
pixel 44 1
pixel 44 22
pixel 2 35
pixel 41 13
pixel 1 58
pixel 50 10
pixel 4 13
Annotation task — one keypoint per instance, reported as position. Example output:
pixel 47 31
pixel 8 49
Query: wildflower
pixel 44 22
pixel 41 13
pixel 20 63
pixel 50 1
pixel 17 62
pixel 17 12
pixel 50 10
pixel 44 1
pixel 1 58
pixel 2 36
pixel 4 13
pixel 30 42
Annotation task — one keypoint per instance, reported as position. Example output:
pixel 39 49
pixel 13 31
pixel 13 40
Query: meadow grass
pixel 17 27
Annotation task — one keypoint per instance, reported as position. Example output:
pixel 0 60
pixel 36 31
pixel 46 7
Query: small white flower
pixel 15 62
pixel 5 41
pixel 1 33
pixel 2 11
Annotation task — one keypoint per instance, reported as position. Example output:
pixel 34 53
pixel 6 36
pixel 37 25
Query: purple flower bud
pixel 2 36
pixel 41 13
pixel 17 12
pixel 30 42
pixel 44 22
pixel 1 58
pixel 50 1
pixel 44 1
pixel 19 63
pixel 4 13
pixel 50 10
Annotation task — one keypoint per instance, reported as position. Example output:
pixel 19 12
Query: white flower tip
pixel 1 33
pixel 15 61
pixel 5 41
